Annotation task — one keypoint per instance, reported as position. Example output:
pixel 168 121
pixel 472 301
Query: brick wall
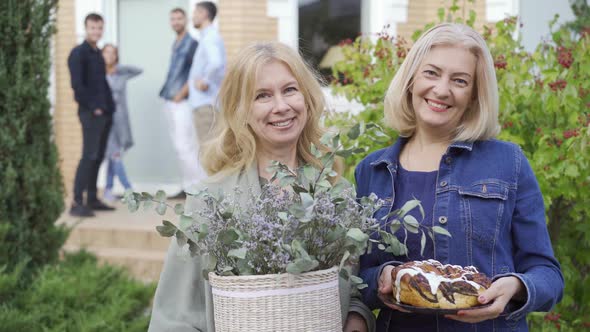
pixel 243 22
pixel 421 12
pixel 68 133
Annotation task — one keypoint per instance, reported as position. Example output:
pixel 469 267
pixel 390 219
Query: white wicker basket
pixel 276 303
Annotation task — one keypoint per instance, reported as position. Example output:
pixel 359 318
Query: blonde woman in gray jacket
pixel 271 104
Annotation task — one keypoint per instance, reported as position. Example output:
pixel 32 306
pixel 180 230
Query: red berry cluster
pixel 564 57
pixel 554 318
pixel 500 63
pixel 508 124
pixel 571 133
pixel 382 53
pixel 367 71
pixel 558 85
pixel 401 47
pixel 539 131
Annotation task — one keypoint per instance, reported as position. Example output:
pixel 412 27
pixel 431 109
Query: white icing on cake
pixel 434 280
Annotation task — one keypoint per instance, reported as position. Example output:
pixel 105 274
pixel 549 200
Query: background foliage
pixel 74 295
pixel 30 182
pixel 38 292
pixel 544 107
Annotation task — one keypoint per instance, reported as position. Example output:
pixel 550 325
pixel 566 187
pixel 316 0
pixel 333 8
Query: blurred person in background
pixel 95 110
pixel 120 137
pixel 207 70
pixel 177 111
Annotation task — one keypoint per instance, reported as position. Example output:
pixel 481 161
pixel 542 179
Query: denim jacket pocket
pixel 482 208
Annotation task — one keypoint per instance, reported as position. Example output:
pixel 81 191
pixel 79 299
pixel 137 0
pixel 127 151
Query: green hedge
pixel 31 189
pixel 75 295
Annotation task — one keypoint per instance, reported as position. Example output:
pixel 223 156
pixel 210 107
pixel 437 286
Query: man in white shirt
pixel 207 70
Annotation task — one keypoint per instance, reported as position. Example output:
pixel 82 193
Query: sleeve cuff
pixel 517 310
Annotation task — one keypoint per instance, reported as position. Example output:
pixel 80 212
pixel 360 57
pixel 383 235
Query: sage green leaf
pixel 161 208
pixel 179 208
pixel 411 224
pixel 160 196
pixel 422 244
pixel 409 206
pixel 167 229
pixel 356 280
pixel 354 132
pixel 440 230
pixel 306 200
pixel 147 205
pixel 181 238
pixel 228 236
pixel 283 216
pixel 357 235
pixel 185 222
pixel 344 258
pixel 238 253
pixel 132 205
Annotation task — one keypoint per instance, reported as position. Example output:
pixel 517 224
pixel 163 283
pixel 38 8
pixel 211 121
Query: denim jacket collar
pixel 391 154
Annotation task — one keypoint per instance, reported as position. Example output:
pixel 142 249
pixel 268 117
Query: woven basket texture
pixel 277 302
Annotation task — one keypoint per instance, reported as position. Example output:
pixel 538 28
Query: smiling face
pixel 278 113
pixel 443 87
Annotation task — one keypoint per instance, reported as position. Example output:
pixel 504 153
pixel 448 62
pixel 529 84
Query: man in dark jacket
pixel 95 109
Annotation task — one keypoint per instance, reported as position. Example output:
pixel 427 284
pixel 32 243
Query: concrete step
pixel 117 236
pixel 144 265
pixel 122 238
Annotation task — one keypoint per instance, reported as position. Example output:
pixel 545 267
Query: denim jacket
pixel 488 198
pixel 180 65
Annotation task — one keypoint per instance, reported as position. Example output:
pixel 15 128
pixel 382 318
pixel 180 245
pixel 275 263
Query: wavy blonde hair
pixel 480 120
pixel 233 147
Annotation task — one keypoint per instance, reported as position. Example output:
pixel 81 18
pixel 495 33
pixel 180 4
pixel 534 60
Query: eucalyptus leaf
pixel 357 235
pixel 179 208
pixel 161 208
pixel 160 196
pixel 354 132
pixel 409 206
pixel 411 224
pixel 167 229
pixel 228 236
pixel 440 230
pixel 422 244
pixel 238 253
pixel 345 257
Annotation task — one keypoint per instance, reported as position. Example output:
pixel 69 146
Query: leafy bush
pixel 74 295
pixel 544 107
pixel 30 182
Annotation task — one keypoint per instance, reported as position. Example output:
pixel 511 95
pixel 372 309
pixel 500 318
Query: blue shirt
pixel 88 77
pixel 180 65
pixel 486 195
pixel 209 66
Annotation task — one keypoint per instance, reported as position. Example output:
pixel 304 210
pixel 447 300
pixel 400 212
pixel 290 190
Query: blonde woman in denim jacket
pixel 443 102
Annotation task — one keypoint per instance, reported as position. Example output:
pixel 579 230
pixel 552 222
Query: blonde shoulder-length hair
pixel 480 120
pixel 233 147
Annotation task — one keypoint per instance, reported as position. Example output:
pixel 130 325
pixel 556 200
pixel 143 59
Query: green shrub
pixel 544 107
pixel 75 295
pixel 30 182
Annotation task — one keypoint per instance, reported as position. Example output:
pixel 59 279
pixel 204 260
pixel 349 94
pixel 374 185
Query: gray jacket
pixel 183 300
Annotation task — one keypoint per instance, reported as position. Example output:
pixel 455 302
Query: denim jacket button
pixel 442 220
pixel 448 160
pixel 443 183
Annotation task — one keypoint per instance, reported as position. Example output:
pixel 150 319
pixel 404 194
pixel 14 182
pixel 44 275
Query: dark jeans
pixel 95 133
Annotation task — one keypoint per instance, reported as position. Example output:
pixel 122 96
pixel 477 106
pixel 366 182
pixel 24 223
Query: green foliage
pixel 74 295
pixel 544 107
pixel 30 182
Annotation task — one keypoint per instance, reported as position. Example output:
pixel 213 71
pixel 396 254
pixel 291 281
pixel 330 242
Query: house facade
pixel 141 31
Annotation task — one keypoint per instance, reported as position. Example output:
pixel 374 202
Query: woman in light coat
pixel 271 105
